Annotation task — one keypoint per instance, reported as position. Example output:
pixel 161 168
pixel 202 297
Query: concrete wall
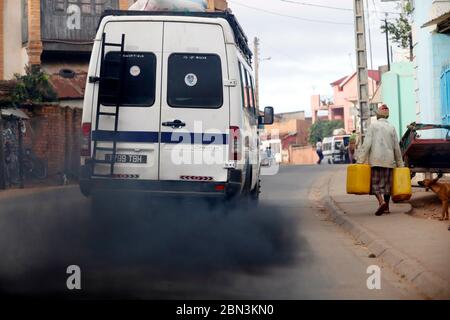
pixel 302 155
pixel 398 94
pixel 15 55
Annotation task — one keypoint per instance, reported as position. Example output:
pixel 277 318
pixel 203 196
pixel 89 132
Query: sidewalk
pixel 17 192
pixel 417 249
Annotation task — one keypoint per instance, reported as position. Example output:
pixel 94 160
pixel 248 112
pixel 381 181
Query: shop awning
pixel 14 113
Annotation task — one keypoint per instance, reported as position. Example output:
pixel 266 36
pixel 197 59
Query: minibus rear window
pixel 138 78
pixel 195 81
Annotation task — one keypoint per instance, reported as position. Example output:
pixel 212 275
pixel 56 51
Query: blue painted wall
pixel 432 51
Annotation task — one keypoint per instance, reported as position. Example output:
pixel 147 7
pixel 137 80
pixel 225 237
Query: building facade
pixel 39 30
pixel 342 106
pixel 397 90
pixel 431 34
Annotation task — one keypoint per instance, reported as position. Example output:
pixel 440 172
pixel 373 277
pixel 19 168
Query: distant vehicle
pixel 165 84
pixel 331 147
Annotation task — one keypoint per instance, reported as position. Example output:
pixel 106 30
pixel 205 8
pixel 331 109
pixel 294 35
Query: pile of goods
pixel 170 5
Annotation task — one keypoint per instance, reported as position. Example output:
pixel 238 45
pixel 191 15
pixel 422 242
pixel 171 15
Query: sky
pixel 306 56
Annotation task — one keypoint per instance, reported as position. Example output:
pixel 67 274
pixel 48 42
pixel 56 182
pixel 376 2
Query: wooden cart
pixel 423 154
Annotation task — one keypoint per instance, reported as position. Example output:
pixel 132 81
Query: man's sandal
pixel 381 209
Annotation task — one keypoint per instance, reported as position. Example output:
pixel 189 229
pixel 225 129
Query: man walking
pixel 352 146
pixel 319 151
pixel 381 150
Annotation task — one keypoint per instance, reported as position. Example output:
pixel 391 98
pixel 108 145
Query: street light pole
pixel 256 59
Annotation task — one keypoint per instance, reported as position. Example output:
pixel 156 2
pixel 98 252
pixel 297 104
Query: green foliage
pixel 323 129
pixel 33 87
pixel 400 30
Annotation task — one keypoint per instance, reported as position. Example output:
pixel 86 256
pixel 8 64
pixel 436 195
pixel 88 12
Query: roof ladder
pixel 118 98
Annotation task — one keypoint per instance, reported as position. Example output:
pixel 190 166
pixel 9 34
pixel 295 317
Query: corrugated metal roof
pixel 69 88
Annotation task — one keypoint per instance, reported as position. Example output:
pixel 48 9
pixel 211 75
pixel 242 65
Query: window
pixel 59 5
pixel 241 74
pixel 139 79
pixel 247 87
pixel 24 21
pixel 252 89
pixel 87 7
pixel 195 81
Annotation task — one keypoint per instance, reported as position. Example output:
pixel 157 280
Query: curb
pixel 19 193
pixel 428 283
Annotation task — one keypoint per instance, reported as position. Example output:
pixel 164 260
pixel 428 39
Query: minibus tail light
pixel 235 143
pixel 86 140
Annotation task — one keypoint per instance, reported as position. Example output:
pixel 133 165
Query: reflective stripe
pixel 196 178
pixel 166 137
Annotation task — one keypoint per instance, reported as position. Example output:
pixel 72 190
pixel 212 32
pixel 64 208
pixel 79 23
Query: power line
pixel 375 8
pixel 289 16
pixel 327 7
pixel 318 5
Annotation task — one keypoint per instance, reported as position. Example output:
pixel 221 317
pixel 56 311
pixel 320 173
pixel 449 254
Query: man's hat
pixel 383 111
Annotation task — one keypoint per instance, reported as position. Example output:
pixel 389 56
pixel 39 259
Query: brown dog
pixel 443 192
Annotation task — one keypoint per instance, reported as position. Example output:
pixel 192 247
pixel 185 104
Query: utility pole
pixel 361 63
pixel 387 44
pixel 256 59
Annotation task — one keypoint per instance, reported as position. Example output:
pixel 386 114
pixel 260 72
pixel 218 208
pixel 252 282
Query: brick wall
pixel 34 48
pixel 53 133
pixel 217 5
pixel 124 4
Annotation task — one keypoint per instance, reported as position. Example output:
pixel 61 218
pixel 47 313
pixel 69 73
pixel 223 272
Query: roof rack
pixel 239 35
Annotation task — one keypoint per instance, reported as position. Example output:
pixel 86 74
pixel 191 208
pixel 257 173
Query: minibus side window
pixel 254 106
pixel 251 103
pixel 247 92
pixel 138 79
pixel 195 81
pixel 244 96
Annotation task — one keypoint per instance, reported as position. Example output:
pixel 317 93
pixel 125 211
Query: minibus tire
pixel 254 194
pixel 248 181
pixel 85 190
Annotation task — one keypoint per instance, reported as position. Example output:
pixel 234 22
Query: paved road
pixel 285 249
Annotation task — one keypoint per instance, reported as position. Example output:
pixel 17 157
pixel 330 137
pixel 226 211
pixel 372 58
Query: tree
pixel 400 31
pixel 322 129
pixel 33 87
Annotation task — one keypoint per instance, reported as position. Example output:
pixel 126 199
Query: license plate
pixel 127 158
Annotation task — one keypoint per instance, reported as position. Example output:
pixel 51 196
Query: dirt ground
pixel 426 205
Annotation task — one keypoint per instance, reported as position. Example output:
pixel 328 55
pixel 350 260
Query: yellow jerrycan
pixel 401 185
pixel 358 179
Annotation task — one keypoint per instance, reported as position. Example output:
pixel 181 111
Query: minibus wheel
pixel 85 190
pixel 254 194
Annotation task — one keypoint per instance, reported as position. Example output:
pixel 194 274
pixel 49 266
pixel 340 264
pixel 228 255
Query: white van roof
pixel 232 30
